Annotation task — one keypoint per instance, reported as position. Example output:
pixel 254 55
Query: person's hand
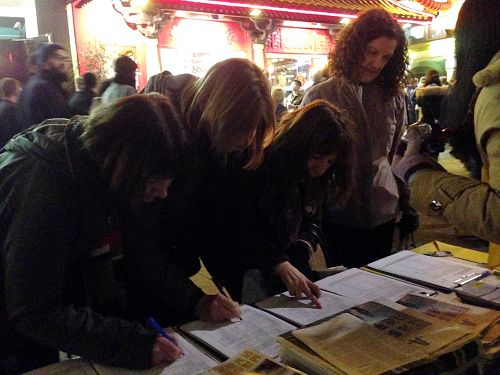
pixel 412 159
pixel 217 308
pixel 165 351
pixel 297 284
pixel 414 139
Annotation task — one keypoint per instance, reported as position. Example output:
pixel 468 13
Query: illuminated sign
pixel 294 40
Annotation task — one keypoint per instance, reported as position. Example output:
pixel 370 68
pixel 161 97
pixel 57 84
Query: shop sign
pixel 295 40
pixel 200 35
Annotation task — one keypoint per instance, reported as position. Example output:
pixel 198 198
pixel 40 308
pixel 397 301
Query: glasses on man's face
pixel 61 58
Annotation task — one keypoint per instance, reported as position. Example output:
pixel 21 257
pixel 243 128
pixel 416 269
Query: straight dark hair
pixel 134 138
pixel 319 128
pixel 477 40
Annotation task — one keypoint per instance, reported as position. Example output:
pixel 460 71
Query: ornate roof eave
pixel 324 11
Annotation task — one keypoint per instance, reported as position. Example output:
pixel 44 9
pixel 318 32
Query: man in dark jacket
pixel 43 96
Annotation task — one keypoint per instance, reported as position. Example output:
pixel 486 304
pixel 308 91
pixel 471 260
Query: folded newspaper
pixel 249 361
pixel 372 338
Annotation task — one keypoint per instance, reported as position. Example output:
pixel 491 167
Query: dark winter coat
pixel 42 99
pixel 9 124
pixel 54 210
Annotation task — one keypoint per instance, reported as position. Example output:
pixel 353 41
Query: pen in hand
pixel 160 331
pixel 224 292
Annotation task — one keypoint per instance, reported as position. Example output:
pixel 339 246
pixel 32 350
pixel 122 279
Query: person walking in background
pixel 278 96
pixel 80 102
pixel 368 67
pixel 429 99
pixel 43 96
pixel 472 110
pixel 123 83
pixel 294 99
pixel 411 100
pixel 10 90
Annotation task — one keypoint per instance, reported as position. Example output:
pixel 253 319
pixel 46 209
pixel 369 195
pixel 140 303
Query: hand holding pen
pixel 166 349
pixel 217 308
pixel 224 292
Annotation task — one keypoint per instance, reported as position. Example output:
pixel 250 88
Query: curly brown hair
pixel 349 52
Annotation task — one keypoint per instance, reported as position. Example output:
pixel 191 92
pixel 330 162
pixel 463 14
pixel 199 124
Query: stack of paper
pixel 435 272
pixel 371 339
pixel 301 311
pixel 249 361
pixel 363 286
pixel 482 321
pixel 479 293
pixel 257 329
pixel 192 362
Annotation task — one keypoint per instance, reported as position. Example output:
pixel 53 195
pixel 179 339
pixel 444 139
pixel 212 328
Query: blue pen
pixel 154 324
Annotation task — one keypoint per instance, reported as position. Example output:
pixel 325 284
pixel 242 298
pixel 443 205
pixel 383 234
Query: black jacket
pixel 54 210
pixel 42 99
pixel 80 102
pixel 9 124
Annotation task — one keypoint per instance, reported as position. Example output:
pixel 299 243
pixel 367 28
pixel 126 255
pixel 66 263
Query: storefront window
pixel 284 68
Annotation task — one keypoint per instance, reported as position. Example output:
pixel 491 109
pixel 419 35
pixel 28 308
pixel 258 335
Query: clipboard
pixel 438 273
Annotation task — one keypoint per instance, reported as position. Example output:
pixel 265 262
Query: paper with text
pixel 437 271
pixel 366 286
pixel 249 361
pixel 301 311
pixel 258 330
pixel 193 362
pixel 474 318
pixel 355 347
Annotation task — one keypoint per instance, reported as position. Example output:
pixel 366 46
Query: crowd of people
pixel 91 244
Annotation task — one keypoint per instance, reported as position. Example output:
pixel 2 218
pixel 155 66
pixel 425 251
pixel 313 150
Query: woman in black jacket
pixel 308 163
pixel 61 185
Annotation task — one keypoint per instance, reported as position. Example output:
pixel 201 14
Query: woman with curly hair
pixel 368 68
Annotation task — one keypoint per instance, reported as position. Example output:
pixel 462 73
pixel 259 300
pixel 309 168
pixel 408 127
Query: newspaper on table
pixel 251 361
pixel 374 338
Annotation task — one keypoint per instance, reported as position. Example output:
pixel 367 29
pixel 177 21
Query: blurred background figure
pixel 278 96
pixel 429 99
pixel 294 99
pixel 123 83
pixel 10 90
pixel 43 96
pixel 80 102
pixel 411 100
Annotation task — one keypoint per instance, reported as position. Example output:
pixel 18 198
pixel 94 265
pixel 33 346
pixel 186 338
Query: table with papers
pixel 372 322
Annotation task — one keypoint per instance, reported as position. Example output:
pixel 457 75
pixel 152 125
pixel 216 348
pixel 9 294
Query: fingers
pixel 217 308
pixel 302 285
pixel 226 308
pixel 313 293
pixel 165 351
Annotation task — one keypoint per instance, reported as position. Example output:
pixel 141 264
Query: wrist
pixel 413 176
pixel 280 267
